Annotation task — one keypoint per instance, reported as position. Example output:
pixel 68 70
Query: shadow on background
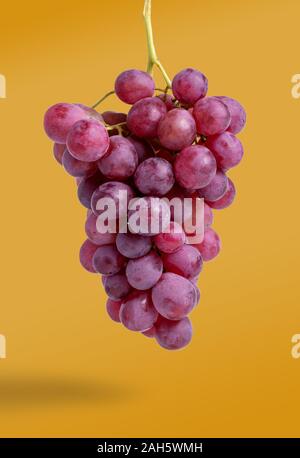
pixel 25 392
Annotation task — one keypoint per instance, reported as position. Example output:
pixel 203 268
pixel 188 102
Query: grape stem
pixel 103 98
pixel 152 56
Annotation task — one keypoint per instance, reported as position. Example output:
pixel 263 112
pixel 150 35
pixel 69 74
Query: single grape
pixel 117 286
pixel 174 296
pixel 143 273
pixel 88 140
pixel 144 117
pixel 226 200
pixel 210 246
pixel 177 129
pixel 113 309
pixel 237 114
pixel 227 149
pixel 107 260
pixel 134 85
pixel 121 159
pixel 120 193
pixel 137 312
pixel 189 85
pixel 186 262
pixel 195 167
pixel 77 168
pixel 168 100
pixel 154 177
pixel 113 117
pixel 94 235
pixel 58 151
pixel 148 216
pixel 86 188
pixel 173 335
pixel 171 240
pixel 216 188
pixel 60 118
pixel 212 116
pixel 132 245
pixel 150 332
pixel 144 150
pixel 86 254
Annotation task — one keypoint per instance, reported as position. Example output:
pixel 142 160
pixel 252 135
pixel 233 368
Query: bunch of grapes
pixel 174 142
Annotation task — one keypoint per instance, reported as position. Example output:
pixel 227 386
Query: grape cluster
pixel 180 144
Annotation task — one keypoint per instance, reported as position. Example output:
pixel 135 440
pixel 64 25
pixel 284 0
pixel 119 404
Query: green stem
pixel 103 98
pixel 152 56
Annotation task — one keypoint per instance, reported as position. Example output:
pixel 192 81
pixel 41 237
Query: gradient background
pixel 70 371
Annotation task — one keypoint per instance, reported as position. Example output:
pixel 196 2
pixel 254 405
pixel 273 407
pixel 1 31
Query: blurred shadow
pixel 25 392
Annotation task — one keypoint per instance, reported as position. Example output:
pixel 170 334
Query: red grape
pixel 134 85
pixel 86 254
pixel 237 114
pixel 226 148
pixel 177 129
pixel 132 245
pixel 116 286
pixel 174 296
pixel 78 168
pixel 186 262
pixel 58 151
pixel 189 85
pixel 144 272
pixel 226 200
pixel 121 159
pixel 94 235
pixel 143 118
pixel 171 240
pixel 88 140
pixel 154 177
pixel 216 188
pixel 113 309
pixel 210 246
pixel 137 312
pixel 212 116
pixel 195 167
pixel 107 260
pixel 173 335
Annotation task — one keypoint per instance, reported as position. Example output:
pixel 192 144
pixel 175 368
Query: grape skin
pixel 154 177
pixel 86 188
pixel 189 85
pixel 227 149
pixel 226 200
pixel 77 168
pixel 137 312
pixel 58 151
pixel 216 188
pixel 171 240
pixel 60 118
pixel 116 286
pixel 144 117
pixel 134 85
pixel 88 140
pixel 195 167
pixel 144 272
pixel 177 129
pixel 120 160
pixel 150 332
pixel 132 245
pixel 114 117
pixel 86 254
pixel 113 309
pixel 237 114
pixel 174 296
pixel 186 262
pixel 107 260
pixel 97 237
pixel 210 246
pixel 173 335
pixel 212 116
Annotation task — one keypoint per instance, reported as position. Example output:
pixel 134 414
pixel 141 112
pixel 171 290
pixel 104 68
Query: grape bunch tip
pixel 173 142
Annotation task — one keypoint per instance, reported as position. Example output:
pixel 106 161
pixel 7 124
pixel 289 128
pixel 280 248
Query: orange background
pixel 70 371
